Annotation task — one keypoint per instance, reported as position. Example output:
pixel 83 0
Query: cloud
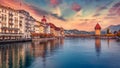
pixel 107 17
pixel 115 9
pixel 101 8
pixel 55 2
pixel 76 7
pixel 61 18
pixel 78 20
pixel 113 12
pixel 104 6
pixel 83 25
pixel 40 12
pixel 96 14
pixel 110 16
pixel 34 11
pixel 57 11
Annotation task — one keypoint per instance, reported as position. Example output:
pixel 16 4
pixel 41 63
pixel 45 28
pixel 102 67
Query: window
pixel 16 20
pixel 3 31
pixel 2 10
pixel 2 17
pixel 16 31
pixel 5 18
pixel 10 31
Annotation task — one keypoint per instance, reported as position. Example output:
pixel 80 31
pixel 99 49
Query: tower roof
pixel 43 19
pixel 97 26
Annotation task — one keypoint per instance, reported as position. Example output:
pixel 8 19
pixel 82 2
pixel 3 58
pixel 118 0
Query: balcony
pixel 13 28
pixel 8 28
pixel 3 27
pixel 10 23
pixel 10 19
pixel 20 24
pixel 11 34
pixel 10 14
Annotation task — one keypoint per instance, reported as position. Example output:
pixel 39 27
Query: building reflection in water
pixel 98 46
pixel 11 55
pixel 21 55
pixel 108 42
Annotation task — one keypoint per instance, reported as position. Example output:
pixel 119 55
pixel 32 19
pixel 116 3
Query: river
pixel 61 53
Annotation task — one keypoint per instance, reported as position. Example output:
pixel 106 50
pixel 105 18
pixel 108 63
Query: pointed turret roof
pixel 98 26
pixel 43 19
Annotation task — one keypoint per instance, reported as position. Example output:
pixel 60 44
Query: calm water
pixel 62 53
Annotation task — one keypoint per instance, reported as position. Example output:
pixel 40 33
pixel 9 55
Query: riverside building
pixel 15 24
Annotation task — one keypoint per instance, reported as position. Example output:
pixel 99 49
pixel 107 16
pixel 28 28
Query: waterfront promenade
pixel 27 40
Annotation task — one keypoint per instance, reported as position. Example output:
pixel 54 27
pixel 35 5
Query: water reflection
pixel 21 55
pixel 74 53
pixel 98 46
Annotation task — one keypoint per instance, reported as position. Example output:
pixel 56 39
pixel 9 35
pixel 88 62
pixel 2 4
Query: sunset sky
pixel 71 14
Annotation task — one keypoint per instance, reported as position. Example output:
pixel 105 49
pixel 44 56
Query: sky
pixel 71 14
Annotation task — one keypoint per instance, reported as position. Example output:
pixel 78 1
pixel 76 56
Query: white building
pixel 18 24
pixel 9 23
pixel 28 23
pixel 41 28
pixel 15 24
pixel 47 29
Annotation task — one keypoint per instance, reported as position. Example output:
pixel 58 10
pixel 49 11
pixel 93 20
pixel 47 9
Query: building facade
pixel 37 27
pixel 9 23
pixel 46 25
pixel 15 24
pixel 19 24
pixel 56 31
pixel 28 23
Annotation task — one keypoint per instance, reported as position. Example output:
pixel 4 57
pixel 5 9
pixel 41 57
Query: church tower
pixel 46 25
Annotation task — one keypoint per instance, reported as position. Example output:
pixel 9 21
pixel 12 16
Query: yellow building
pixel 97 29
pixel 41 28
pixel 37 27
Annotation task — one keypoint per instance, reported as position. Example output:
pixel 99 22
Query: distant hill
pixel 75 31
pixel 113 28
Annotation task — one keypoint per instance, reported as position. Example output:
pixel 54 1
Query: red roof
pixel 44 19
pixel 97 26
pixel 52 25
pixel 57 28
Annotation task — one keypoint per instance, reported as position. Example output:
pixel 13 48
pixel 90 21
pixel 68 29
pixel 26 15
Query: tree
pixel 108 31
pixel 115 32
pixel 118 33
